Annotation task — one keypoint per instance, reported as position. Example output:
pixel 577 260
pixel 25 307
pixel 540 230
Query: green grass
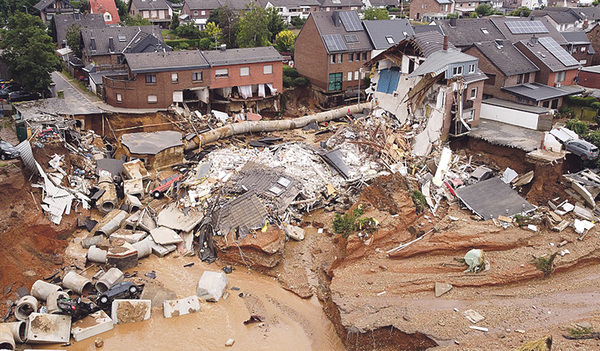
pixel 580 331
pixel 168 35
pixel 545 264
pixel 583 113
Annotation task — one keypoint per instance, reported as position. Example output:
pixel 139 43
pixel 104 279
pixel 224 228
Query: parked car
pixel 582 148
pixel 7 89
pixel 165 185
pixel 8 151
pixel 22 95
pixel 123 290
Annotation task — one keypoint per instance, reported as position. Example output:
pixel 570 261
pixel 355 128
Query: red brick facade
pixel 195 13
pixel 419 7
pixel 594 37
pixel 545 75
pixel 256 75
pixel 589 79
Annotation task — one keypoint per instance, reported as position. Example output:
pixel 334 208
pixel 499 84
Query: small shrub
pixel 287 82
pixel 579 127
pixel 205 43
pixel 300 82
pixel 343 224
pixel 545 264
pixel 419 200
pixel 348 223
pixel 290 72
pixel 580 101
pixel 580 331
pixel 521 220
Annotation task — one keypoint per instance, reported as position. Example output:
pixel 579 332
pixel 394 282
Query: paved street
pixel 78 102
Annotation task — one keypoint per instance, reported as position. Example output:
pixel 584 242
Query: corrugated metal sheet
pixel 27 156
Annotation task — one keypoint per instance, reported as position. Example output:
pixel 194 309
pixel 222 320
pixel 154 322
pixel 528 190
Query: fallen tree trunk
pixel 271 126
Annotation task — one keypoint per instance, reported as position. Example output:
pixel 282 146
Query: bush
pixel 296 21
pixel 580 101
pixel 419 200
pixel 205 43
pixel 300 82
pixel 290 72
pixel 579 127
pixel 349 222
pixel 545 264
pixel 287 82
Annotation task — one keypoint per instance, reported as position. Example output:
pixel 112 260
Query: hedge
pixel 181 43
pixel 580 101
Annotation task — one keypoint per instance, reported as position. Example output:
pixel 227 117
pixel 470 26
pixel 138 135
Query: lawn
pixel 583 113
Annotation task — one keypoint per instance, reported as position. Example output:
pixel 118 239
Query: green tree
pixel 28 51
pixel 205 43
pixel 188 31
pixel 228 20
pixel 275 22
pixel 284 41
pixel 452 15
pixel 374 13
pixel 174 22
pixel 297 21
pixel 522 11
pixel 135 21
pixel 484 10
pixel 253 28
pixel 9 7
pixel 212 31
pixel 122 9
pixel 74 39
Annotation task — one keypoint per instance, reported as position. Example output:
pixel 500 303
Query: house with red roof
pixel 107 8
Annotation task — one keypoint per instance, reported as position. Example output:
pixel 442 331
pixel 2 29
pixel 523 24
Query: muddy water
pixel 289 322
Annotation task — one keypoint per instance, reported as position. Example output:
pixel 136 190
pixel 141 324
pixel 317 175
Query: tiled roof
pixel 428 28
pixel 63 21
pixel 289 3
pixel 430 42
pixel 125 39
pixel 325 26
pixel 542 54
pixel 536 91
pixel 203 4
pixel 380 31
pixel 500 23
pixel 103 6
pixel 591 13
pixel 340 3
pixel 507 58
pixel 562 16
pixel 470 30
pixel 238 56
pixel 440 59
pixel 150 4
pixel 165 61
pixel 576 37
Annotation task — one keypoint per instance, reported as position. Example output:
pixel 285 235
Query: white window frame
pixel 221 73
pixel 349 76
pixel 457 71
pixel 355 75
pixel 244 71
pixel 195 12
pixel 152 99
pixel 332 59
pixel 119 98
pixel 195 76
pixel 174 78
pixel 268 69
pixel 472 68
pixel 473 94
pixel 203 12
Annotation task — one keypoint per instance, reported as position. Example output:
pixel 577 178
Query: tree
pixel 485 10
pixel 275 22
pixel 228 20
pixel 297 21
pixel 8 7
pixel 284 41
pixel 188 31
pixel 74 39
pixel 29 51
pixel 122 9
pixel 174 22
pixel 522 11
pixel 212 33
pixel 374 13
pixel 253 28
pixel 135 21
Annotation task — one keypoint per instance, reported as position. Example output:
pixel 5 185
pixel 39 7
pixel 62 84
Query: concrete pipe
pixel 18 330
pixel 96 255
pixel 112 277
pixel 7 340
pixel 78 283
pixel 52 304
pixel 90 241
pixel 144 248
pixel 41 290
pixel 26 306
pixel 108 201
pixel 111 222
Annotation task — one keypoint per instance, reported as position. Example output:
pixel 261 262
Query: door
pixel 335 81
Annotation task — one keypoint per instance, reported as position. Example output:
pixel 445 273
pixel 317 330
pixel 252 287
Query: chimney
pixel 445 46
pixel 111 44
pixel 93 44
pixel 534 39
pixel 585 24
pixel 336 18
pixel 453 22
pixel 532 18
pixel 223 47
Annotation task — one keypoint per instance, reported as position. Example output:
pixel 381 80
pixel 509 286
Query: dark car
pixel 7 89
pixel 22 95
pixel 76 308
pixel 123 290
pixel 582 148
pixel 8 151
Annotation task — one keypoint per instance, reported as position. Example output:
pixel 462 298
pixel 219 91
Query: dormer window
pixel 389 39
pixel 457 71
pixel 485 31
pixel 472 68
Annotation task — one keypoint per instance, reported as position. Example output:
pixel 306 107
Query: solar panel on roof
pixel 351 21
pixel 557 51
pixel 334 42
pixel 526 27
pixel 351 38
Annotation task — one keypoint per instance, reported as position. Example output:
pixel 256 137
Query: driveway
pixel 79 102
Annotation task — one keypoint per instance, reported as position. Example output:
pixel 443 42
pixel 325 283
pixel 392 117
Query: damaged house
pixel 425 80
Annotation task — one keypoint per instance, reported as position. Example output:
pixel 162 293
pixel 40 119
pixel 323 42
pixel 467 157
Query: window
pixel 364 54
pixel 196 76
pixel 150 79
pixel 473 93
pixel 120 59
pixel 203 13
pixel 119 98
pixel 174 78
pixel 355 75
pixel 554 105
pixel 457 71
pixel 244 71
pixel 350 56
pixel 389 39
pixel 152 99
pixel 267 69
pixel 472 68
pixel 222 72
pixel 546 103
pixel 470 115
pixel 582 49
pixel 332 59
pixel 335 81
pixel 349 76
pixel 339 58
pixel 485 31
pixel 520 79
pixel 195 13
pixel 559 77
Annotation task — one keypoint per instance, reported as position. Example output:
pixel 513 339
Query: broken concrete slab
pixel 582 226
pixel 442 166
pixel 584 213
pixel 173 218
pixel 128 235
pixel 123 256
pixel 135 170
pixel 94 324
pixel 127 311
pixel 473 316
pixel 293 231
pixel 43 328
pixel 581 190
pixel 165 236
pixel 142 220
pixel 157 294
pixel 174 308
pixel 442 288
pixel 161 250
pixel 211 286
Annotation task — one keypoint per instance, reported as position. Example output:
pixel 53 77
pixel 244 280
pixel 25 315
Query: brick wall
pixel 594 38
pixel 589 79
pixel 310 55
pixel 256 76
pixel 186 10
pixel 419 7
pixel 135 91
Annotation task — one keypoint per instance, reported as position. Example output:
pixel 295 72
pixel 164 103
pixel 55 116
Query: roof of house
pixel 348 35
pixel 203 4
pixel 383 3
pixel 44 4
pixel 443 2
pixel 549 57
pixel 340 3
pixel 103 6
pixel 427 28
pixel 430 42
pixel 150 4
pixel 236 4
pixel 437 62
pixel 560 15
pixel 470 30
pixel 591 69
pixel 515 105
pixel 576 37
pixel 536 91
pixel 146 62
pixel 151 143
pixel 385 33
pixel 289 3
pixel 239 56
pixel 538 26
pixel 589 13
pixel 125 39
pixel 63 21
pixel 506 57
